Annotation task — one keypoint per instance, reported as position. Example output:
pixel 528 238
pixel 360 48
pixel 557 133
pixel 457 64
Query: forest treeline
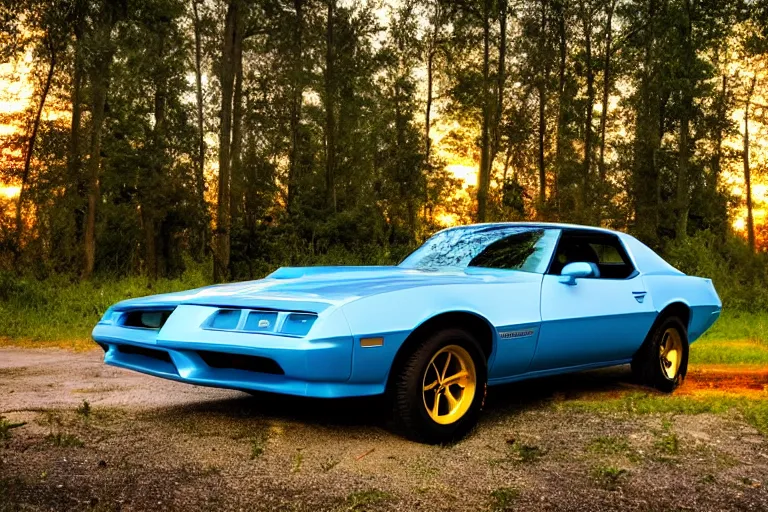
pixel 259 133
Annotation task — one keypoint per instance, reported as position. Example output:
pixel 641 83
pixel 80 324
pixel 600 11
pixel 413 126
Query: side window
pixel 603 250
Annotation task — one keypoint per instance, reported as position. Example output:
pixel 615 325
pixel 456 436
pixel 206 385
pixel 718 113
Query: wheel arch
pixel 674 308
pixel 475 324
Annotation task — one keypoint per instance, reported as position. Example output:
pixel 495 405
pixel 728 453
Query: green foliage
pixel 62 309
pixel 609 445
pixel 64 440
pixel 526 453
pixel 504 498
pixel 609 477
pixel 6 426
pixel 84 409
pixel 361 500
pixel 738 275
pixel 754 410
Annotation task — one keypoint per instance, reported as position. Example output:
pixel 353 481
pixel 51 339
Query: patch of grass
pixel 668 444
pixel 609 477
pixel 738 325
pixel 64 440
pixel 298 460
pixel 754 411
pixel 504 498
pixel 361 500
pixel 62 312
pixel 84 409
pixel 6 426
pixel 609 445
pixel 526 453
pixel 737 338
pixel 258 445
pixel 329 464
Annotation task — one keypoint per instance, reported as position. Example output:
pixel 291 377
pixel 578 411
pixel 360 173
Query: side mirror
pixel 575 270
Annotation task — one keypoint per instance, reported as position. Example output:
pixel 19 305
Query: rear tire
pixel 440 389
pixel 662 361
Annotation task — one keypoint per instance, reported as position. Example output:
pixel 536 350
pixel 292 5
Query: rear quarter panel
pixel 697 293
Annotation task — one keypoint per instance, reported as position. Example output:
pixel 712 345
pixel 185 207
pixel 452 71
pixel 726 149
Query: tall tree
pixel 101 45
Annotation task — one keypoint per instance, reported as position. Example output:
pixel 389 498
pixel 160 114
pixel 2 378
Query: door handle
pixel 639 296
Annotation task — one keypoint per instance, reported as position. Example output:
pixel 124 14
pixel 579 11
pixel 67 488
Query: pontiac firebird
pixel 474 306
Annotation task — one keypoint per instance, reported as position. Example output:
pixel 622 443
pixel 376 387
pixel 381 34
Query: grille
pixel 222 360
pixel 146 319
pixel 160 355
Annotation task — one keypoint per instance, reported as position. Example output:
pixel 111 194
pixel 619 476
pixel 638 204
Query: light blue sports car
pixel 474 306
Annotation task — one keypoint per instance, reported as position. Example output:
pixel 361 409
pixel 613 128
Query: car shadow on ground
pixel 503 400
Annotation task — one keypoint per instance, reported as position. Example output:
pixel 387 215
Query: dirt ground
pixel 143 443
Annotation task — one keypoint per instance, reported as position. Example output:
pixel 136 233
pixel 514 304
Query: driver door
pixel 599 319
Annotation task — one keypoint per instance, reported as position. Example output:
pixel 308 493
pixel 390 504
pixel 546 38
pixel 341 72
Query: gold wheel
pixel 670 353
pixel 449 384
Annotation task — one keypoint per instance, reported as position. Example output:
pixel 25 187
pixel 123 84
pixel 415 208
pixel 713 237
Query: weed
pixel 609 445
pixel 298 459
pixel 329 464
pixel 608 477
pixel 84 409
pixel 258 445
pixel 361 500
pixel 64 440
pixel 708 479
pixel 526 453
pixel 504 498
pixel 6 426
pixel 668 444
pixel 754 411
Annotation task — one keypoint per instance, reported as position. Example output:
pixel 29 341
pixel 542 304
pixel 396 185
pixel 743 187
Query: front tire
pixel 439 390
pixel 662 361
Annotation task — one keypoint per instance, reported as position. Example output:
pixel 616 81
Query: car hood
pixel 316 288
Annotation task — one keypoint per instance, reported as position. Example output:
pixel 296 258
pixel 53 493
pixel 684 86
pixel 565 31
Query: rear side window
pixel 606 251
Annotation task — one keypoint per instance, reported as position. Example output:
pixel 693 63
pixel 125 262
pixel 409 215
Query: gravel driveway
pixel 100 438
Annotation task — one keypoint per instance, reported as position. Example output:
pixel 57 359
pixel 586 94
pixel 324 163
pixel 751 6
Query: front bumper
pixel 183 351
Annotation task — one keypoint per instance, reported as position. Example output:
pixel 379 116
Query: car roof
pixel 643 257
pixel 551 225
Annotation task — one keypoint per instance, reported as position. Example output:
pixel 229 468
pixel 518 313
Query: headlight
pixel 298 324
pixel 259 321
pixel 109 317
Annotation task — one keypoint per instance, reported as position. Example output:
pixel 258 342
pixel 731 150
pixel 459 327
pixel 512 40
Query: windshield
pixel 526 248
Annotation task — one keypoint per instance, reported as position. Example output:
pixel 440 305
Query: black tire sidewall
pixel 651 371
pixel 409 404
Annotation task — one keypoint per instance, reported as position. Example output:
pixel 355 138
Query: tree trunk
pixel 587 161
pixel 483 181
pixel 330 107
pixel 501 77
pixel 747 171
pixel 722 119
pixel 683 180
pixel 237 107
pixel 683 183
pixel 563 51
pixel 542 131
pixel 604 111
pixel 200 164
pixel 223 209
pixel 431 53
pixel 297 93
pixel 31 144
pixel 151 210
pixel 99 79
pixel 649 130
